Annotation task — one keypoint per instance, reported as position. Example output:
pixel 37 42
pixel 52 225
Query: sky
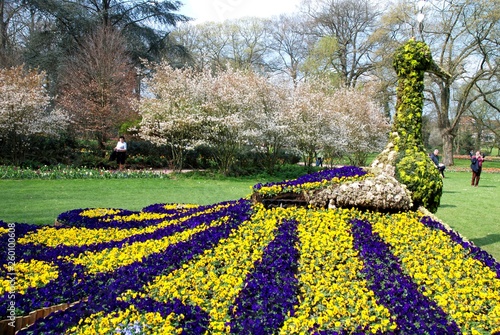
pixel 220 10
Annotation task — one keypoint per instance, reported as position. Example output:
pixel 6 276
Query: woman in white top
pixel 121 152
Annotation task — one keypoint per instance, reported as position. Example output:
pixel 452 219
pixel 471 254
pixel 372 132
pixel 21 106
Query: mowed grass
pixel 473 212
pixel 41 201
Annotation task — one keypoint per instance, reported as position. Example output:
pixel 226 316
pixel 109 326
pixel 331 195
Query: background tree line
pixel 100 59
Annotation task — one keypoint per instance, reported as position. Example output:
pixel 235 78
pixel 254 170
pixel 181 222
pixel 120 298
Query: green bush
pixel 416 170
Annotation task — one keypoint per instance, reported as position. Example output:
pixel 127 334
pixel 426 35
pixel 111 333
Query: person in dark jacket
pixel 476 165
pixel 435 158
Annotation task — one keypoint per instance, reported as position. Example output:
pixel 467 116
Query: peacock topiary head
pixel 412 56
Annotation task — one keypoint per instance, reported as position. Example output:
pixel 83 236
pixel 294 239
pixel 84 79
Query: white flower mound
pixel 382 192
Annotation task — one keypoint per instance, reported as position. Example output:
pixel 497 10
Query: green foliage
pixel 321 59
pixel 410 62
pixel 415 169
pixel 412 165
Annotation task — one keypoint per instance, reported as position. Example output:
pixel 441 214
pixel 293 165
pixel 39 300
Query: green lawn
pixel 491 162
pixel 41 201
pixel 473 212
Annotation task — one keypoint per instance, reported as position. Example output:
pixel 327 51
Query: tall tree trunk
pixel 3 33
pixel 2 24
pixel 477 140
pixel 448 138
pixel 446 130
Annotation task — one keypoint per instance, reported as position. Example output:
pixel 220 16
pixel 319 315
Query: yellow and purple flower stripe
pixel 240 268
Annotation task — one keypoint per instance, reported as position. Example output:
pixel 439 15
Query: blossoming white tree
pixel 226 111
pixel 265 127
pixel 171 116
pixel 224 108
pixel 24 109
pixel 361 124
pixel 309 120
pixel 342 121
pixel 244 109
pixel 234 109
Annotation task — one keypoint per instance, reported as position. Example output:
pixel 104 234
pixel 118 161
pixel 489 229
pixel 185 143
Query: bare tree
pixel 290 45
pixel 249 43
pixel 206 43
pixel 13 21
pixel 486 117
pixel 463 35
pixel 352 23
pixel 98 85
pixel 241 43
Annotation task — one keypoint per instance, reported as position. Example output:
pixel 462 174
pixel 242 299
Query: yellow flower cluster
pixel 99 212
pixel 463 287
pixel 110 259
pixel 80 236
pixel 333 295
pixel 180 206
pixel 142 216
pixel 3 231
pixel 138 217
pixel 278 189
pixel 29 274
pixel 130 319
pixel 213 280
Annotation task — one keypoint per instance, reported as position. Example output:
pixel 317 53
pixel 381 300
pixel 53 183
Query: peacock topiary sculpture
pixel 404 156
pixel 402 177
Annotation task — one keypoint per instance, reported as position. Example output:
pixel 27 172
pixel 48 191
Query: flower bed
pixel 311 181
pixel 237 267
pixel 66 172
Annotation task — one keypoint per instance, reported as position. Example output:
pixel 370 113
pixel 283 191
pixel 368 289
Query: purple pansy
pixel 345 171
pixel 74 284
pixel 270 291
pixel 413 312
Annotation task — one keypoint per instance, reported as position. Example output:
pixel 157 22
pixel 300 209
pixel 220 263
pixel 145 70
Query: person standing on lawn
pixel 121 152
pixel 476 165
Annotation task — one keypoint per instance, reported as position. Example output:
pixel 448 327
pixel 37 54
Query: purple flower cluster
pixel 414 313
pixel 344 171
pixel 19 230
pixel 102 289
pixel 475 252
pixel 73 218
pixel 195 321
pixel 30 251
pixel 270 291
